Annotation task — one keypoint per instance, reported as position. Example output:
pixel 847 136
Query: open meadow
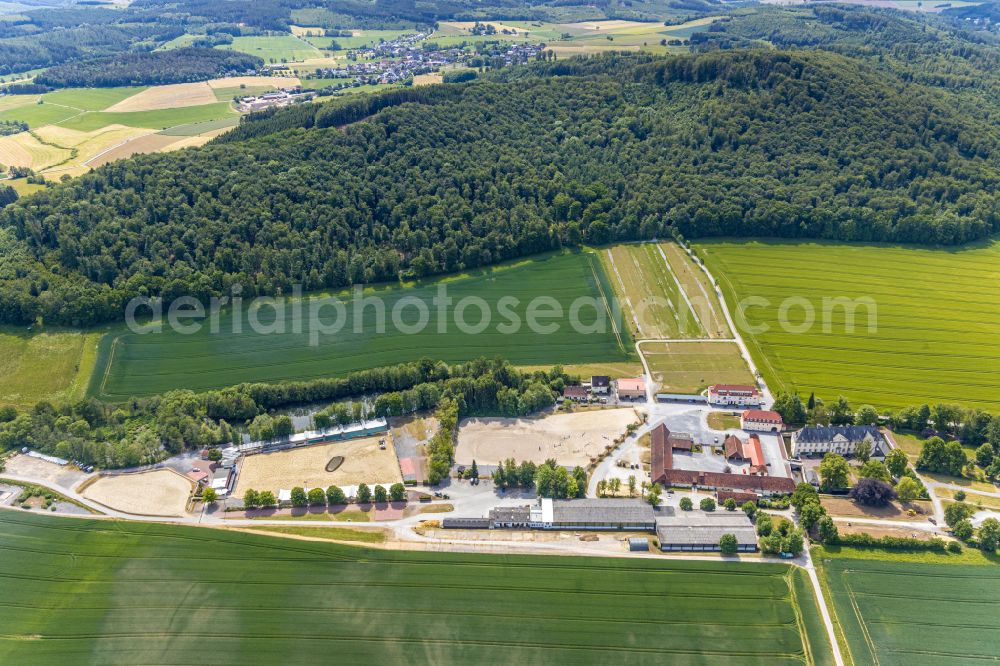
pixel 912 613
pixel 691 367
pixel 52 365
pixel 152 594
pixel 932 337
pixel 144 364
pixel 273 48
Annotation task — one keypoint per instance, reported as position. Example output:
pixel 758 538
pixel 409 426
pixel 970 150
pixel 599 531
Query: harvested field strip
pixel 284 597
pixel 903 612
pixel 698 288
pixel 652 302
pixel 166 97
pixel 924 329
pixel 134 364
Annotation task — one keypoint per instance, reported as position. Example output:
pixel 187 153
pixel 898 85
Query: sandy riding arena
pixel 159 493
pixel 572 439
pixel 363 462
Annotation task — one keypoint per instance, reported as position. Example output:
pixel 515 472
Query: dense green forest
pixel 160 67
pixel 789 144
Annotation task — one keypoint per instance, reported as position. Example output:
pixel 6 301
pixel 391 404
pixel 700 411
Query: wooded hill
pixel 156 68
pixel 790 144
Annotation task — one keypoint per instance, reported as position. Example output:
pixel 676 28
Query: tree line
pixel 146 430
pixel 149 68
pixel 454 177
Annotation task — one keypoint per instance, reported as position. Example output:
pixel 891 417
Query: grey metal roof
pixel 510 514
pixel 601 511
pixel 704 527
pixel 819 434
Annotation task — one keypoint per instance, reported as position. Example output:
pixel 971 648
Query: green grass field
pixel 88 591
pixel 38 115
pixel 158 119
pixel 274 48
pixel 194 129
pixel 902 612
pixel 45 366
pixel 937 316
pixel 91 99
pixel 691 367
pixel 366 38
pixel 144 364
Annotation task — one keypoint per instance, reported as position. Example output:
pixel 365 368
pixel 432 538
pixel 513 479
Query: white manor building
pixel 839 439
pixel 737 395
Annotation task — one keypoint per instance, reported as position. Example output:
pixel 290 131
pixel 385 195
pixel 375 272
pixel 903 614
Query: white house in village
pixel 839 439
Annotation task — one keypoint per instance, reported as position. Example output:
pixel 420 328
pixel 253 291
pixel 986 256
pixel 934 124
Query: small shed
pixel 636 544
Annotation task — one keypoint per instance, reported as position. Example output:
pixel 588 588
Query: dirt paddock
pixel 572 439
pixel 363 462
pixel 159 493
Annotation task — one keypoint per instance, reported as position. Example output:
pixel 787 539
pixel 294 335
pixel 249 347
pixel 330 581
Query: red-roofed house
pixel 631 389
pixel 740 497
pixel 734 394
pixel 750 451
pixel 198 477
pixel 760 420
pixel 575 393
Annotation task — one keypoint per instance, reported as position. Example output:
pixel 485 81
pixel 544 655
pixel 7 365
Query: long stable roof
pixel 587 511
pixel 703 527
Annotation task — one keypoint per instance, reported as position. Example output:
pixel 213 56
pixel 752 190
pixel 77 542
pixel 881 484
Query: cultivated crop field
pixel 153 594
pixel 653 303
pixel 936 326
pixel 896 612
pixel 74 129
pixel 144 364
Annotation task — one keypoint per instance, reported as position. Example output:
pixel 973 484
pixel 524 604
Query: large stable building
pixel 577 514
pixel 661 463
pixel 702 530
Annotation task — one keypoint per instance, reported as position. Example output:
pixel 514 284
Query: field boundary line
pixel 861 622
pixel 680 288
pixel 607 303
pixel 797 611
pixel 621 283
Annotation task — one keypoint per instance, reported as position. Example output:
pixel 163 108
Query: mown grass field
pixel 914 613
pixel 85 591
pixel 53 365
pixel 650 294
pixel 144 364
pixel 691 367
pixel 274 48
pixel 937 317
